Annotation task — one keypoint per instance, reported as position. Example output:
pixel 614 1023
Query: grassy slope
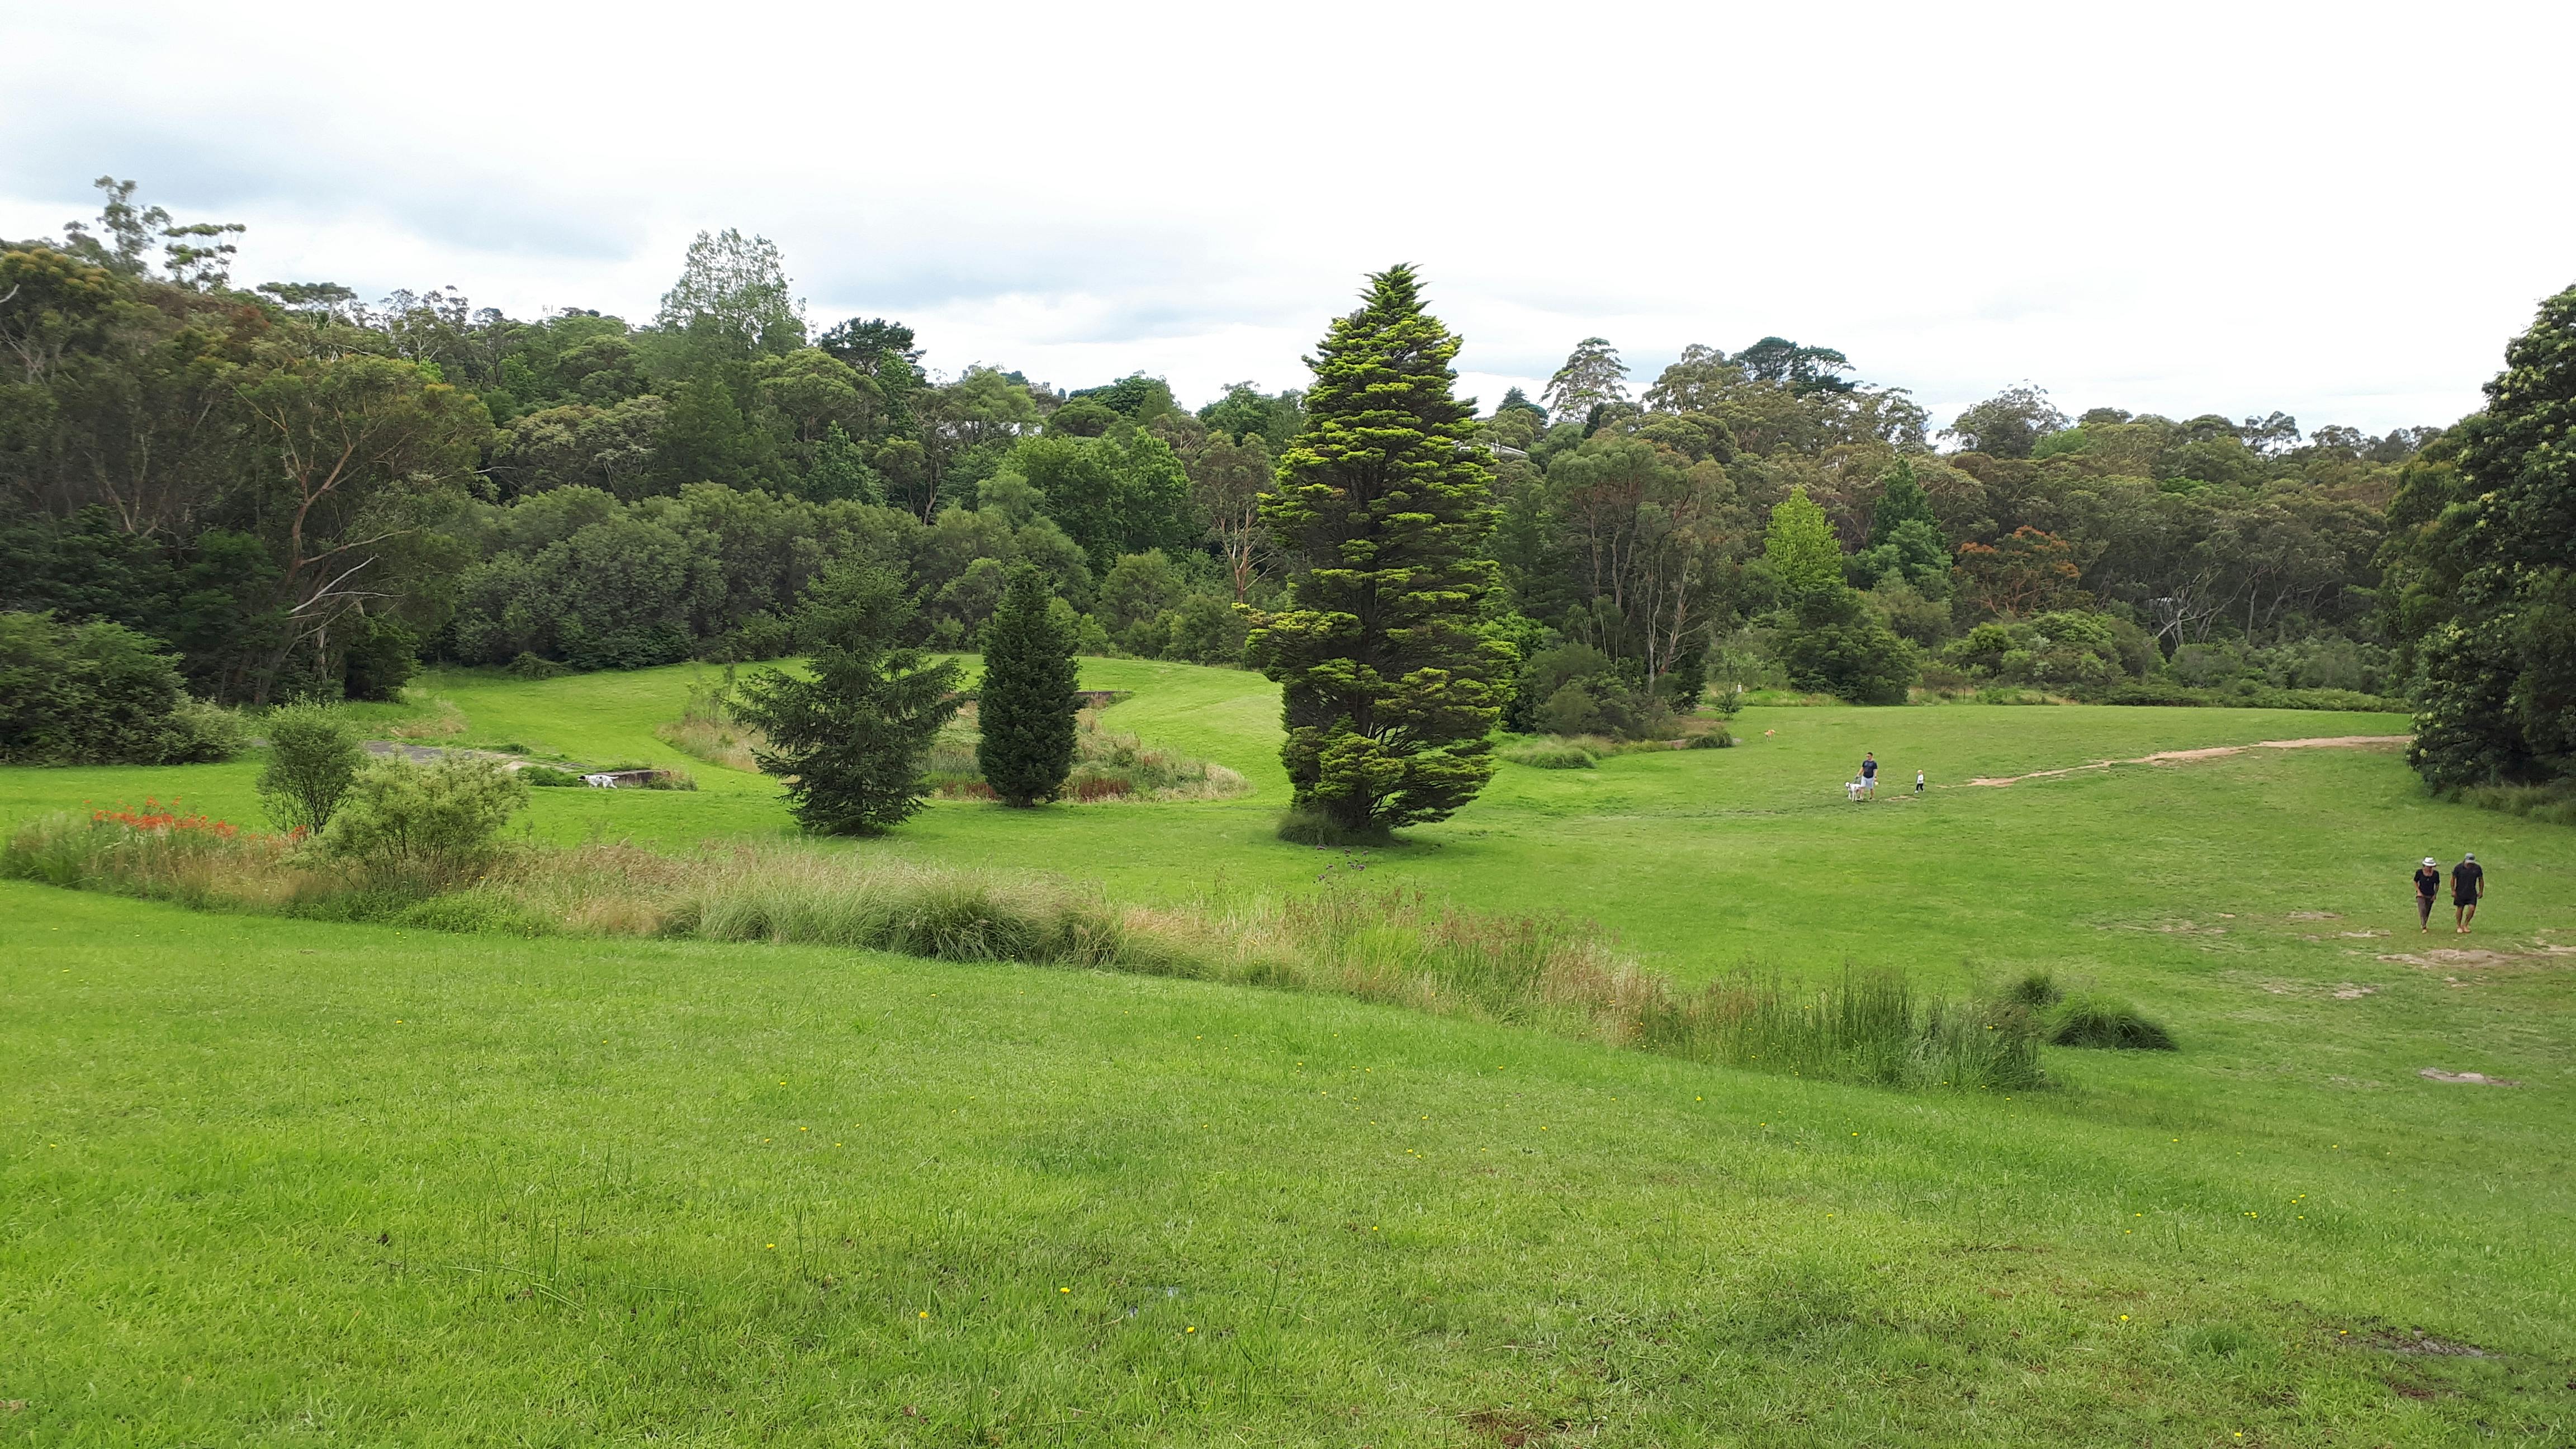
pixel 275 1180
pixel 1667 1247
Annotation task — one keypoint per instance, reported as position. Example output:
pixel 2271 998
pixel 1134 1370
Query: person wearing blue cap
pixel 2468 887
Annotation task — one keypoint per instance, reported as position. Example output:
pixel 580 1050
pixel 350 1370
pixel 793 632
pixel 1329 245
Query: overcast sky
pixel 2341 211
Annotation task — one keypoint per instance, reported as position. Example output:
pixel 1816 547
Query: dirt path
pixel 2175 757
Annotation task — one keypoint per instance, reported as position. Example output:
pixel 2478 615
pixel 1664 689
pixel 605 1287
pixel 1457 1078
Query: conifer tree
pixel 1382 505
pixel 851 740
pixel 1027 704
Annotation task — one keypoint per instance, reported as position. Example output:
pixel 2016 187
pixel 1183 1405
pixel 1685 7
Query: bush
pixel 313 757
pixel 1854 657
pixel 1575 689
pixel 99 694
pixel 424 824
pixel 547 777
pixel 529 666
pixel 2102 1021
pixel 1548 755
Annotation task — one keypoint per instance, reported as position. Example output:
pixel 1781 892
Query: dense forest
pixel 303 494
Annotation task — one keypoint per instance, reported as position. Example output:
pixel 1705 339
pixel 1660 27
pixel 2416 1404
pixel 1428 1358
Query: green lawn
pixel 265 1180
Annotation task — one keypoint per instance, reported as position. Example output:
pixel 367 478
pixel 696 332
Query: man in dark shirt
pixel 2468 887
pixel 1869 774
pixel 2428 884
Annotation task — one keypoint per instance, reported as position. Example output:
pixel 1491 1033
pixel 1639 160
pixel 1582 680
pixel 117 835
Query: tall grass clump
pixel 707 729
pixel 2092 1020
pixel 1106 766
pixel 2553 803
pixel 1872 1027
pixel 1549 754
pixel 157 853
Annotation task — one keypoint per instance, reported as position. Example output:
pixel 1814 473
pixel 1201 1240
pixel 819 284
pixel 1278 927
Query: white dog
pixel 1852 789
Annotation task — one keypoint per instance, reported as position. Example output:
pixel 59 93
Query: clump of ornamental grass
pixel 1107 766
pixel 2036 989
pixel 2094 1020
pixel 1873 1027
pixel 1549 754
pixel 2553 803
pixel 708 730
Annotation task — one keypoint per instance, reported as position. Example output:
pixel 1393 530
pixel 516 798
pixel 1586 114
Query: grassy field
pixel 264 1181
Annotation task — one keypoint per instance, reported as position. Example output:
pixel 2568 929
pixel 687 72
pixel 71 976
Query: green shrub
pixel 1834 644
pixel 313 755
pixel 100 694
pixel 1720 737
pixel 529 666
pixel 1549 754
pixel 424 824
pixel 2102 1021
pixel 547 777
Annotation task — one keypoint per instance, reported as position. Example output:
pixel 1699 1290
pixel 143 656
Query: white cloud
pixel 2338 210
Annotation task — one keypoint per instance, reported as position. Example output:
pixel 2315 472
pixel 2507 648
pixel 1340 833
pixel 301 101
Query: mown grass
pixel 1655 1277
pixel 277 1179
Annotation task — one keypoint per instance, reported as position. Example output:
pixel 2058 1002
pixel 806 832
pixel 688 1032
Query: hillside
pixel 270 1179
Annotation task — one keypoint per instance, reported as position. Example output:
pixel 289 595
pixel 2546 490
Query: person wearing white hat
pixel 2428 885
pixel 2468 887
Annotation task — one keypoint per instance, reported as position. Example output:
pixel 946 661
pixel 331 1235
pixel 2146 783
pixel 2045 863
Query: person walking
pixel 2428 884
pixel 1869 774
pixel 1918 782
pixel 2468 887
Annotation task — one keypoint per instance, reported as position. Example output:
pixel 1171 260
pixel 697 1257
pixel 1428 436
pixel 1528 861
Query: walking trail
pixel 2175 757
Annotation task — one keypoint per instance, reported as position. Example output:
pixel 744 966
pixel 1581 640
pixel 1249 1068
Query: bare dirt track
pixel 2177 757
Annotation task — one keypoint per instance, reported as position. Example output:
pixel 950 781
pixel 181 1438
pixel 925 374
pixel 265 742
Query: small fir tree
pixel 850 741
pixel 1026 707
pixel 1382 507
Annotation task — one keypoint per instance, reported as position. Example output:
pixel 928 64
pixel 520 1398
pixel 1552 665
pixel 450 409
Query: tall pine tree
pixel 1025 709
pixel 1382 505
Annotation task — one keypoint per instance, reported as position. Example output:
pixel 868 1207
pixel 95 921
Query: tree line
pixel 301 495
